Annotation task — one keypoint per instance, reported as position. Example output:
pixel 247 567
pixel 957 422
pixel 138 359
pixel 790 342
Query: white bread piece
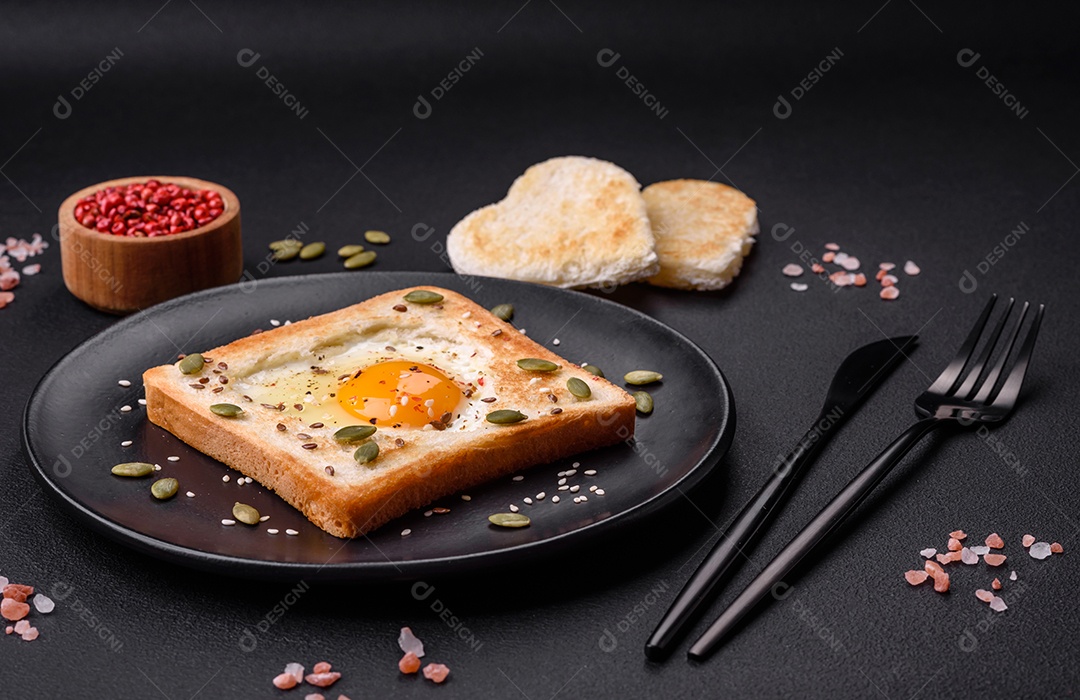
pixel 431 464
pixel 703 231
pixel 566 222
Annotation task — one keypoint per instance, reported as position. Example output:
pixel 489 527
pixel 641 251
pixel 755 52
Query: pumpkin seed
pixel 594 370
pixel 503 311
pixel 164 489
pixel 192 364
pixel 379 237
pixel 423 296
pixel 534 365
pixel 643 400
pixel 354 433
pixel 355 262
pixel 134 469
pixel 509 519
pixel 283 254
pixel 642 376
pixel 226 410
pixel 366 452
pixel 578 388
pixel 312 251
pixel 347 251
pixel 285 243
pixel 505 417
pixel 246 514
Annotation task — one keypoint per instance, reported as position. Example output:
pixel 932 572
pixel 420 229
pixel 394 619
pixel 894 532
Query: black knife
pixel 859 374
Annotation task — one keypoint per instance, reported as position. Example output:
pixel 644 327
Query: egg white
pixel 312 378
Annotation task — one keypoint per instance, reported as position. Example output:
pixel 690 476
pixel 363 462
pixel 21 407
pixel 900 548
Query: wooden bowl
pixel 122 274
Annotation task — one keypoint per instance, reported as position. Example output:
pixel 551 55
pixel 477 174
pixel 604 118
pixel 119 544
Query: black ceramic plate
pixel 78 418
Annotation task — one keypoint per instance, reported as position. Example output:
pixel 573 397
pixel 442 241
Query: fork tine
pixel 986 389
pixel 946 381
pixel 1011 389
pixel 967 388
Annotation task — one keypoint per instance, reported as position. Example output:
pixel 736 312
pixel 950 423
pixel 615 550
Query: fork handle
pixel 771 578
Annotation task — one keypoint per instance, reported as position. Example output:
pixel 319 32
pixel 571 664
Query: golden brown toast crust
pixel 432 464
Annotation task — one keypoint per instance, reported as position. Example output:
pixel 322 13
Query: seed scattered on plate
pixel 274 322
pixel 227 521
pixel 527 501
pixel 540 496
pixel 589 472
pixel 513 508
pixel 292 532
pixel 600 492
pixel 592 488
pixel 142 402
pixel 571 472
pixel 126 443
pixel 556 341
pixel 124 383
pixel 519 477
pixel 225 478
pixel 428 513
pixel 125 409
pixel 406 532
pixel 554 499
pixel 173 458
pixel 513 519
pixel 190 494
pixel 575 488
pixel 272 531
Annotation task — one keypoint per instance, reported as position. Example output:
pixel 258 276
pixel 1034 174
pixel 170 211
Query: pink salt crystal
pixel 1056 548
pixel 436 672
pixel 941 583
pixel 31 270
pixel 284 681
pixel 954 544
pixel 933 568
pixel 21 626
pixel 408 642
pixel 984 595
pixel 9 280
pixel 994 559
pixel 915 577
pixel 968 557
pixel 817 268
pixel 1012 575
pixel 9 629
pixel 13 610
pixel 314 696
pixel 860 280
pixel 1039 550
pixel 322 680
pixel 887 266
pixel 850 264
pixel 981 550
pixel 296 671
pixel 998 605
pixel 1028 540
pixel 321 667
pixel 911 268
pixel 410 663
pixel 4 579
pixel 996 584
pixel 832 246
pixel 828 257
pixel 880 274
pixel 994 541
pixel 943 558
pixel 842 279
pixel 928 552
pixel 6 298
pixel 792 270
pixel 889 281
pixel 30 634
pixel 889 293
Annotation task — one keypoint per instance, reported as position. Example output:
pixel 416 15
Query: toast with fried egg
pixel 425 376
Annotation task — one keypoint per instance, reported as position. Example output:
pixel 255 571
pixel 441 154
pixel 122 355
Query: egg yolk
pixel 399 392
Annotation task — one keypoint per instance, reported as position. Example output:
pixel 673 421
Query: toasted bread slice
pixel 566 222
pixel 703 231
pixel 290 448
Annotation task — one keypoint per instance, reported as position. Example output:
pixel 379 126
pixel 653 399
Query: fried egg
pixel 379 379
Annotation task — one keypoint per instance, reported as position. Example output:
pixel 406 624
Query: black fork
pixel 970 391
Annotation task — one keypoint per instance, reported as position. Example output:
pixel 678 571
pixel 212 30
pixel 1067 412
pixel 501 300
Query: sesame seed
pixel 293 533
pixel 427 513
pixel 593 487
pixel 225 478
pixel 554 499
pixel 240 481
pixel 519 477
pixel 571 472
pixel 404 400
pixel 406 532
pixel 274 322
pixel 429 403
pixel 563 487
pixel 263 518
pixel 157 467
pixel 527 501
pixel 173 458
pixel 540 496
pixel 561 474
pixel 575 465
pixel 599 492
pixel 190 494
pixel 534 380
pixel 521 330
pixel 513 508
pixel 577 499
pixel 272 531
pixel 142 402
pixel 466 497
pixel 227 521
pixel 467 314
pixel 584 498
pixel 126 443
pixel 248 479
pixel 555 342
pixel 393 410
pixel 574 488
pixel 125 409
pixel 124 383
pixel 590 472
pixel 562 480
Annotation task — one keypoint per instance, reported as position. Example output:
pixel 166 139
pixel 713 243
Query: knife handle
pixel 740 534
